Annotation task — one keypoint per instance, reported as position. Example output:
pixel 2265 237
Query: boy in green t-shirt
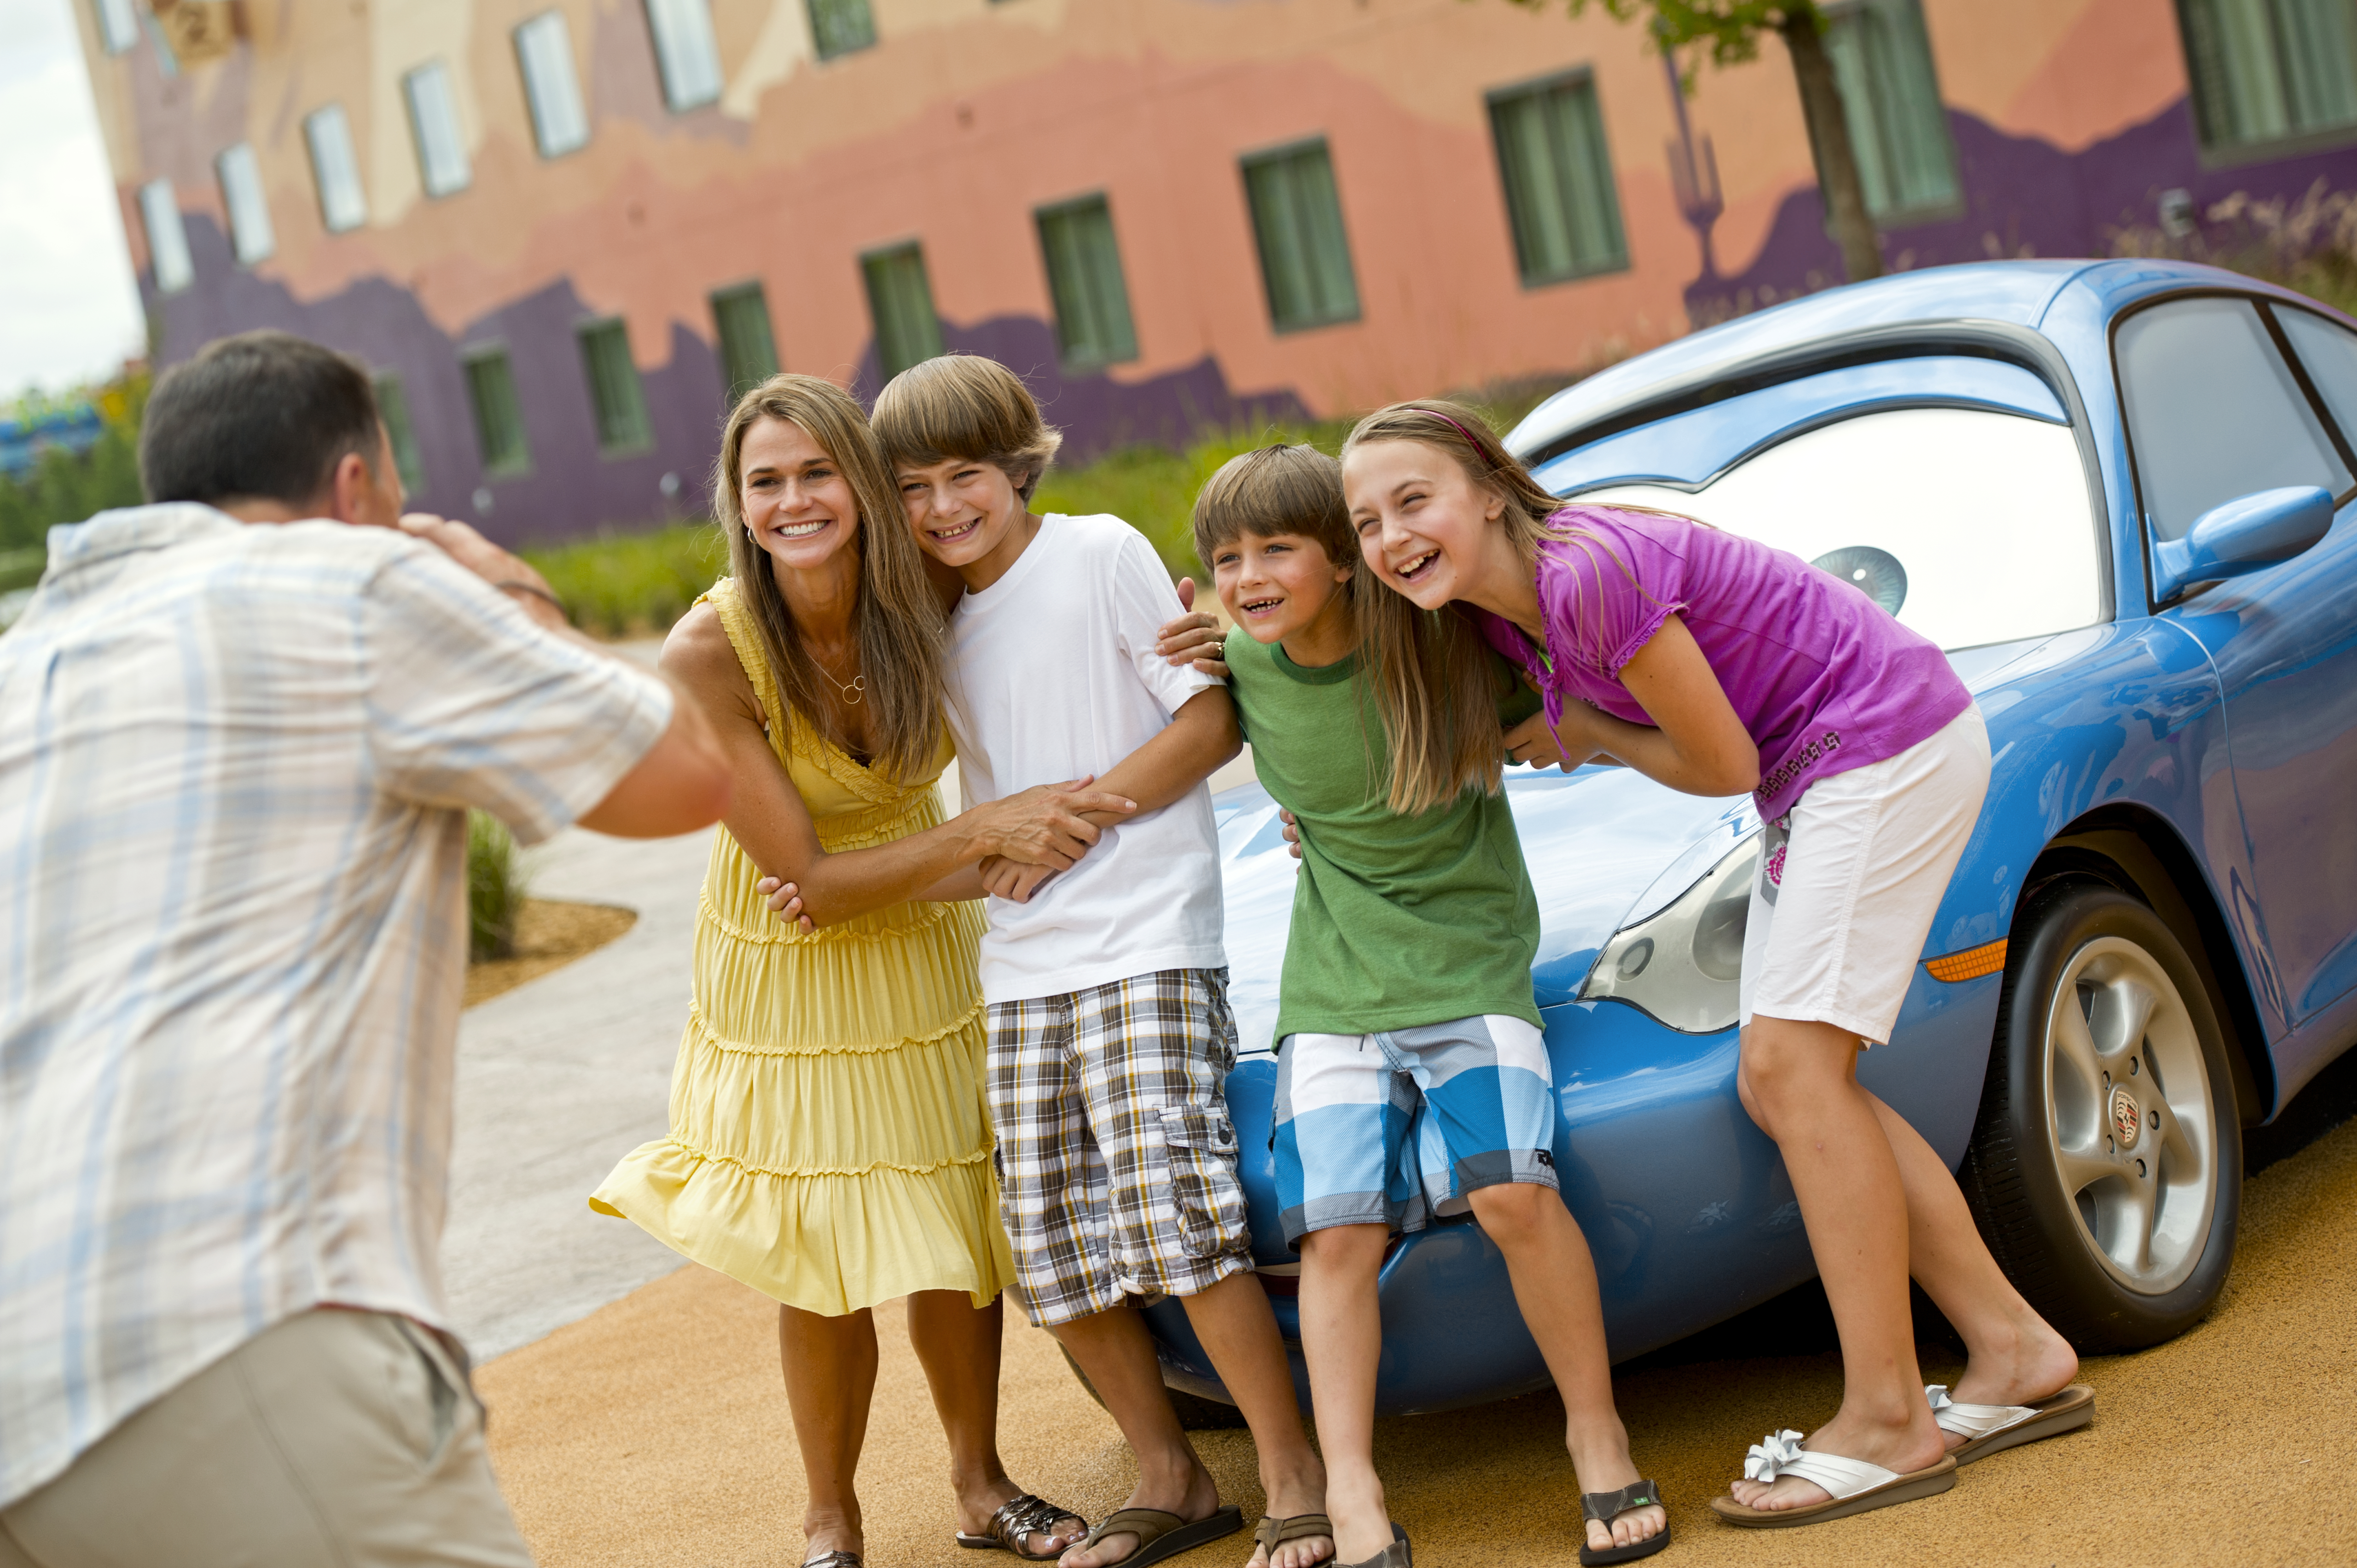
pixel 1412 1079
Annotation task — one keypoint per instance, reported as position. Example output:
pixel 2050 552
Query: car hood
pixel 1604 847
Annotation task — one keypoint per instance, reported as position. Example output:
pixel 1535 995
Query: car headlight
pixel 1681 964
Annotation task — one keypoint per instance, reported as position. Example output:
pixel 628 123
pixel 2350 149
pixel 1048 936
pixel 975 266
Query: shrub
pixel 495 888
pixel 633 585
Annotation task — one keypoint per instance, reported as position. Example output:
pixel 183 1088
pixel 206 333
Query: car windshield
pixel 1971 526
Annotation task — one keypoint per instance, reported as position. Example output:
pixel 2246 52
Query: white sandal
pixel 1989 1429
pixel 1852 1486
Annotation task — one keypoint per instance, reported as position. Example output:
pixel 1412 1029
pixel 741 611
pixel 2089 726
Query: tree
pixel 1732 29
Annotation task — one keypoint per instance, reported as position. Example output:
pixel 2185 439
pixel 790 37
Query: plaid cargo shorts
pixel 1116 1159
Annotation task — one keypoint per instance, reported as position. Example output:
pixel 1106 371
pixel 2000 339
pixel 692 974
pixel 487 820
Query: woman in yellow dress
pixel 829 1144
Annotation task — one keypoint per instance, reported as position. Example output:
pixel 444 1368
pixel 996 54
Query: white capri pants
pixel 1850 877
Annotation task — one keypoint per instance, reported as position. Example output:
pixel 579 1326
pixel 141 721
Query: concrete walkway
pixel 559 1079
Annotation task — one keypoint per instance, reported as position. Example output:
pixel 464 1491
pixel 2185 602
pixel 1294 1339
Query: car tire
pixel 1195 1412
pixel 2119 1240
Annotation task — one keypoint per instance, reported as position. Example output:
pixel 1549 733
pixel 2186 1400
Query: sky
pixel 68 309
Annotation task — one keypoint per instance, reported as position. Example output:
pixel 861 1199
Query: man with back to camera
pixel 236 751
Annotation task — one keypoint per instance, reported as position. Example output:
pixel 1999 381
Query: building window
pixel 335 169
pixel 1305 255
pixel 1559 192
pixel 901 301
pixel 748 355
pixel 118 25
pixel 1092 323
pixel 434 122
pixel 2270 70
pixel 392 407
pixel 550 86
pixel 614 391
pixel 685 53
pixel 249 209
pixel 1897 127
pixel 839 27
pixel 167 239
pixel 499 418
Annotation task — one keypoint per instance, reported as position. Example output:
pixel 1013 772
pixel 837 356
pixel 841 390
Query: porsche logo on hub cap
pixel 2127 1120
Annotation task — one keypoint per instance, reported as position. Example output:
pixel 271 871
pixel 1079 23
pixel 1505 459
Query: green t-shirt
pixel 1398 921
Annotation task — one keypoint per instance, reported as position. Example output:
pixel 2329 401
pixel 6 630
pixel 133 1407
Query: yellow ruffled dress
pixel 829 1144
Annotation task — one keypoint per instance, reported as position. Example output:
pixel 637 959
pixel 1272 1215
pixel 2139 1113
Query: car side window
pixel 2327 351
pixel 2212 411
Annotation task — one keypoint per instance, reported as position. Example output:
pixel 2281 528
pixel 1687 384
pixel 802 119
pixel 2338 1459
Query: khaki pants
pixel 348 1439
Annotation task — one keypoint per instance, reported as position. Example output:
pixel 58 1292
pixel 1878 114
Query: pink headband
pixel 1460 430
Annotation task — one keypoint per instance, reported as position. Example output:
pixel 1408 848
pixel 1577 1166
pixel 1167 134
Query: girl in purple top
pixel 1716 666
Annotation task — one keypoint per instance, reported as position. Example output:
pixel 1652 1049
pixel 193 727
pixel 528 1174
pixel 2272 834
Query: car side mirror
pixel 2240 536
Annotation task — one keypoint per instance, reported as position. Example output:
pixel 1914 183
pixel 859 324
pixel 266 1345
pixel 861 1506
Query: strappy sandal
pixel 1272 1532
pixel 1606 1506
pixel 1989 1429
pixel 1852 1486
pixel 1019 1517
pixel 835 1560
pixel 1398 1554
pixel 1162 1535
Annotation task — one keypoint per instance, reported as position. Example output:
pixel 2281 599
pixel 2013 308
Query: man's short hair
pixel 260 416
pixel 1276 489
pixel 968 409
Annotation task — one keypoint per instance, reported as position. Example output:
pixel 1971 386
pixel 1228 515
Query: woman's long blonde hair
pixel 1436 680
pixel 899 617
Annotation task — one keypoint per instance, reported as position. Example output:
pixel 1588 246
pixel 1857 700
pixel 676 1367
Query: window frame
pixel 1070 208
pixel 156 192
pixel 410 79
pixel 534 108
pixel 666 69
pixel 627 431
pixel 319 182
pixel 733 386
pixel 2265 306
pixel 521 465
pixel 867 260
pixel 2233 155
pixel 820 49
pixel 1921 212
pixel 1537 86
pixel 250 244
pixel 400 429
pixel 1282 152
pixel 117 22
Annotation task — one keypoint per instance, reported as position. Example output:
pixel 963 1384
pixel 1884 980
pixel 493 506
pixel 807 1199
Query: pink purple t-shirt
pixel 1821 676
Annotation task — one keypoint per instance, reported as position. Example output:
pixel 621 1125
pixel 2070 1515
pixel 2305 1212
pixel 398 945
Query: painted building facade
pixel 559 230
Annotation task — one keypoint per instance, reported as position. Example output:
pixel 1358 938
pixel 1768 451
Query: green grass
pixel 495 888
pixel 633 585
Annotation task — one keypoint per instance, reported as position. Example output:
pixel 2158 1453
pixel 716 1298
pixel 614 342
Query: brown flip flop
pixel 1162 1535
pixel 1272 1532
pixel 1989 1429
pixel 1398 1554
pixel 1854 1485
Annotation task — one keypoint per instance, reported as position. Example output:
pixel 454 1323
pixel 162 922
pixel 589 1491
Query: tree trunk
pixel 1837 177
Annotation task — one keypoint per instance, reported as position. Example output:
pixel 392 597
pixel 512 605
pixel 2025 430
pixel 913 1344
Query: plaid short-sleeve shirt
pixel 234 762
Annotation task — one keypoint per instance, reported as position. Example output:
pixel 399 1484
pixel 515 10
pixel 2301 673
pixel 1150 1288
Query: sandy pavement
pixel 654 1431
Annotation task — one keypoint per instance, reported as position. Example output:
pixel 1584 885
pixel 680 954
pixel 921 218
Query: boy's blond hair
pixel 965 408
pixel 1275 490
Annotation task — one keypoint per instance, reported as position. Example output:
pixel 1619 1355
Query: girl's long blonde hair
pixel 1436 682
pixel 898 619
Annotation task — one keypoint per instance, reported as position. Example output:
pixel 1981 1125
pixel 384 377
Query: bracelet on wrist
pixel 518 585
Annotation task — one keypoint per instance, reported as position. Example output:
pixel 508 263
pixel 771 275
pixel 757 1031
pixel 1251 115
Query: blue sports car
pixel 2109 490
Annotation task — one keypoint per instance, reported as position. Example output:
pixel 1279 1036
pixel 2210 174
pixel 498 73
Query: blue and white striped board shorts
pixel 1395 1127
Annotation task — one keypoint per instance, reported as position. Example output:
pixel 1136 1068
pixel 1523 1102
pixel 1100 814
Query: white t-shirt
pixel 1053 676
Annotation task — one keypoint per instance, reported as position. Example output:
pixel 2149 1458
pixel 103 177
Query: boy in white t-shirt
pixel 1110 1035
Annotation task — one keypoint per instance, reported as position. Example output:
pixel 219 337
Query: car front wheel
pixel 2105 1171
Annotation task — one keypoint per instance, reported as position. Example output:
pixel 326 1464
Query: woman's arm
pixel 1044 825
pixel 1696 743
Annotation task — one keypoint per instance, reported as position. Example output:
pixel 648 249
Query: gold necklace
pixel 851 693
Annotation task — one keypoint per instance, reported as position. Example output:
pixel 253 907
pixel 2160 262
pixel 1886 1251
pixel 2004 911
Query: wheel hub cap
pixel 2130 1124
pixel 2128 1117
